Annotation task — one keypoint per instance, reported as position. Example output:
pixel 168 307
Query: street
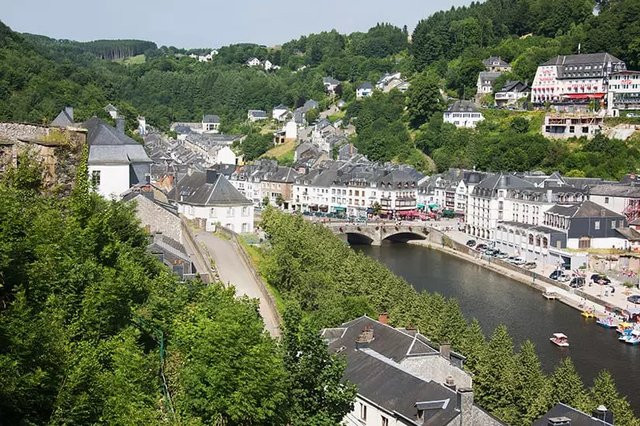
pixel 233 270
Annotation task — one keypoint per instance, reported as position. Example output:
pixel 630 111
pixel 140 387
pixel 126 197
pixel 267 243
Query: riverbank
pixel 579 302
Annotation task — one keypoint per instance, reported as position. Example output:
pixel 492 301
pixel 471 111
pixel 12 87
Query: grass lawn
pixel 133 60
pixel 257 257
pixel 282 152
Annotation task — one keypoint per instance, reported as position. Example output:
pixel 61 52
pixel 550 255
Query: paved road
pixel 234 270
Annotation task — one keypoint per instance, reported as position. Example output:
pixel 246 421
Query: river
pixel 494 299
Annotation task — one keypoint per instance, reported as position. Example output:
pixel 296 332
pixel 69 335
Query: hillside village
pixel 197 174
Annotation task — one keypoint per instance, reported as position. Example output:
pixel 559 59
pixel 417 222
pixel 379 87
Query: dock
pixel 550 295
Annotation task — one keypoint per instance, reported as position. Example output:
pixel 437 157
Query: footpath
pixel 590 297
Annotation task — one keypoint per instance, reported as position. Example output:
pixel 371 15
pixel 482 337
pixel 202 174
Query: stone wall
pixel 157 219
pixel 57 151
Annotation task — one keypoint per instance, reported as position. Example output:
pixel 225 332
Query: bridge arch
pixel 403 237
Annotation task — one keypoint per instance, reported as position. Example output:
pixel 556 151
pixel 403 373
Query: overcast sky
pixel 209 23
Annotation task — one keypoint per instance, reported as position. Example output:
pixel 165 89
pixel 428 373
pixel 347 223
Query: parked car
pixel 516 260
pixel 471 243
pixel 576 282
pixel 559 275
pixel 530 265
pixel 491 251
pixel 633 115
pixel 481 247
pixel 501 255
pixel 634 298
pixel 600 279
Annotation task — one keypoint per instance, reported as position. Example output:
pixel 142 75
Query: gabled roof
pixel 489 75
pixel 64 118
pixel 495 61
pixel 504 181
pixel 330 81
pixel 610 190
pixel 110 108
pixel 208 188
pixel 585 58
pixel 258 113
pixel 107 145
pixel 281 107
pixel 209 118
pixel 515 86
pixel 366 86
pixel 463 106
pixel 586 209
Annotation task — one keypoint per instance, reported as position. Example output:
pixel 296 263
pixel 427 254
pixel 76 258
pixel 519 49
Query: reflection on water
pixel 494 299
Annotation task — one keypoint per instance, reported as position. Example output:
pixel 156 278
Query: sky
pixel 209 23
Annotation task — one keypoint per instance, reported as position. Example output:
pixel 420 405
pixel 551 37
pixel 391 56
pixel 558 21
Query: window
pixel 585 242
pixel 212 212
pixel 596 225
pixel 363 411
pixel 95 178
pixel 230 212
pixel 245 211
pixel 613 224
pixel 385 421
pixel 606 200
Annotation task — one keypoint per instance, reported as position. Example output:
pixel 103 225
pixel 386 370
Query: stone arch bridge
pixel 374 233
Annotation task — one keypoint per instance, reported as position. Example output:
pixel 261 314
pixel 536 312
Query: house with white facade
pixel 279 113
pixel 209 198
pixel 496 64
pixel 256 115
pixel 254 62
pixel 575 79
pixel 621 199
pixel 330 85
pixel 463 114
pixel 364 90
pixel 511 93
pixel 484 85
pixel 112 111
pixel 403 378
pixel 388 82
pixel 210 123
pixel 116 162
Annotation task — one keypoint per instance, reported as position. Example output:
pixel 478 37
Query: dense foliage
pixel 334 284
pixel 95 330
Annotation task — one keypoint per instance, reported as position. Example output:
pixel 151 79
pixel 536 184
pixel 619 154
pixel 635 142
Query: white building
pixel 210 124
pixel 209 198
pixel 279 113
pixel 254 62
pixel 496 64
pixel 330 85
pixel 485 81
pixel 511 93
pixel 463 114
pixel 621 199
pixel 116 162
pixel 254 115
pixel 575 78
pixel 624 91
pixel 364 90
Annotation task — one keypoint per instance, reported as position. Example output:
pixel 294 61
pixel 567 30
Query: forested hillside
pixel 95 330
pixel 38 76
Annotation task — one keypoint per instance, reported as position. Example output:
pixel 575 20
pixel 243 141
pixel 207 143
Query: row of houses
pixel 386 83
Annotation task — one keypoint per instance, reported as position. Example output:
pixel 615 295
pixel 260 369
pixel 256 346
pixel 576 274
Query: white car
pixel 516 260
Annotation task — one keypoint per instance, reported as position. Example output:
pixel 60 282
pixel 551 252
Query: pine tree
pixel 604 392
pixel 531 383
pixel 474 346
pixel 567 387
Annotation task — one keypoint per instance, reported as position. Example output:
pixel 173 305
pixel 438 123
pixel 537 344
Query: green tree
pixel 530 384
pixel 567 387
pixel 423 99
pixel 604 392
pixel 317 394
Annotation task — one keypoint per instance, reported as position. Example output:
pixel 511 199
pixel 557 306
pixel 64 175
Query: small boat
pixel 607 322
pixel 588 314
pixel 624 326
pixel 634 338
pixel 560 340
pixel 550 295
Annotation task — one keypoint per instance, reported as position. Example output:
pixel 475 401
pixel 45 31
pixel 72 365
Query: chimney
pixel 120 125
pixel 383 317
pixel 365 338
pixel 445 351
pixel 69 111
pixel 450 383
pixel 465 406
pixel 212 176
pixel 601 413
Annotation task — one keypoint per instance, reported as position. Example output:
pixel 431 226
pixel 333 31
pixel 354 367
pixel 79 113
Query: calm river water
pixel 494 299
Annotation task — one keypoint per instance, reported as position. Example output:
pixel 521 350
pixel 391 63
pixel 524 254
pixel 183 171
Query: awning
pixel 434 206
pixel 420 206
pixel 340 209
pixel 584 95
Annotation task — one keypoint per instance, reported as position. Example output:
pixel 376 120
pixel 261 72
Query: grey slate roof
pixel 208 188
pixel 107 145
pixel 330 80
pixel 489 75
pixel 503 181
pixel 462 106
pixel 576 417
pixel 366 86
pixel 584 209
pixel 209 118
pixel 515 86
pixel 584 58
pixel 627 191
pixel 258 113
pixel 598 65
pixel 64 118
pixel 495 61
